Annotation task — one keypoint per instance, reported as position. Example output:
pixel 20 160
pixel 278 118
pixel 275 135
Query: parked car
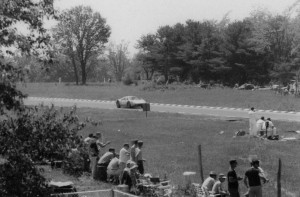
pixel 130 102
pixel 246 86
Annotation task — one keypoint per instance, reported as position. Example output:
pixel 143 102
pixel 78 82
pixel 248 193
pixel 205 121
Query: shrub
pixel 127 80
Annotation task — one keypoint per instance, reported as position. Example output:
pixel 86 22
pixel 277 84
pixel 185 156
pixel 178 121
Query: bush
pixel 127 80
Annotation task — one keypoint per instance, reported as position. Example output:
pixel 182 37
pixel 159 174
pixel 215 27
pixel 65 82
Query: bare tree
pixel 118 59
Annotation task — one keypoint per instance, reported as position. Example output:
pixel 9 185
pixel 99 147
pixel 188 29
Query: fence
pixel 97 193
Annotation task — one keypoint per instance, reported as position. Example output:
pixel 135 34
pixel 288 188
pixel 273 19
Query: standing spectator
pixel 132 150
pixel 217 189
pixel 233 179
pixel 209 182
pixel 269 126
pixel 260 126
pixel 124 157
pixel 252 122
pixel 253 178
pixel 94 155
pixel 100 142
pixel 139 157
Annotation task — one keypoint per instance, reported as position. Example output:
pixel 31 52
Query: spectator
pixel 124 157
pixel 252 122
pixel 252 179
pixel 209 182
pixel 113 169
pixel 88 139
pixel 269 126
pixel 132 150
pixel 100 142
pixel 233 179
pixel 139 157
pixel 105 159
pixel 217 189
pixel 94 155
pixel 130 176
pixel 260 126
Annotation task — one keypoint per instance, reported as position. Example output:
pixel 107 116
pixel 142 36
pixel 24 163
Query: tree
pixel 118 59
pixel 81 34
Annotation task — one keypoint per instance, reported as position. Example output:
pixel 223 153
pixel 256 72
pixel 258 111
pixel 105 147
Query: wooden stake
pixel 279 179
pixel 200 163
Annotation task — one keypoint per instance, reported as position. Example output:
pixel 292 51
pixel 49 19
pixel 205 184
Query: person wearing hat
pixel 129 176
pixel 209 182
pixel 217 189
pixel 133 150
pixel 233 179
pixel 139 157
pixel 252 122
pixel 252 179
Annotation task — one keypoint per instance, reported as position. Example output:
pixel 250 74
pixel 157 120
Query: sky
pixel 130 19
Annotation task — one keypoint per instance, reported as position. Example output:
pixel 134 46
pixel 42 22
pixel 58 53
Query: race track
pixel 168 108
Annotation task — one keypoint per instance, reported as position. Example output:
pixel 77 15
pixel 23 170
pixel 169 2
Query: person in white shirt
pixel 139 157
pixel 217 189
pixel 113 169
pixel 260 126
pixel 100 142
pixel 132 150
pixel 252 122
pixel 209 182
pixel 124 157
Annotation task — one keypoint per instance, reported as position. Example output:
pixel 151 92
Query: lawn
pixel 170 145
pixel 174 94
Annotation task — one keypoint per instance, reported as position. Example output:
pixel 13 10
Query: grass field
pixel 175 94
pixel 170 145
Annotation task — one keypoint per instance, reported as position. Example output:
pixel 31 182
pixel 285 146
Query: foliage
pixel 118 59
pixel 81 34
pixel 19 177
pixel 77 162
pixel 127 80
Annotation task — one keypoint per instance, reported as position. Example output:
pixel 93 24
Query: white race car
pixel 130 102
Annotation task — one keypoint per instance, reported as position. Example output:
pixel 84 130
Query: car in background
pixel 246 86
pixel 130 102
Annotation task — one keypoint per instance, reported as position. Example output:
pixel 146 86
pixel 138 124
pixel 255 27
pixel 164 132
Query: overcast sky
pixel 130 19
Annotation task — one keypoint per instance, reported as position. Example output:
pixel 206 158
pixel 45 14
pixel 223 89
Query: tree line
pixel 258 49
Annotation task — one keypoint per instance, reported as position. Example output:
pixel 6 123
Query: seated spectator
pixel 260 126
pixel 130 176
pixel 105 160
pixel 217 189
pixel 113 170
pixel 209 182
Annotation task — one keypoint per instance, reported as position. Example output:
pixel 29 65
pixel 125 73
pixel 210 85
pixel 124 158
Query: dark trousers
pixel 140 165
pixel 234 192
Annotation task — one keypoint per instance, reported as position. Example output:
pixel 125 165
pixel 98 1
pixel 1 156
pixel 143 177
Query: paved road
pixel 184 109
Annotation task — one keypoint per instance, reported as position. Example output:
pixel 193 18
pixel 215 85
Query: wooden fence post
pixel 200 163
pixel 279 179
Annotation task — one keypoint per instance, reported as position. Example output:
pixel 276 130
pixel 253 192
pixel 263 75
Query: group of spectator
pixel 261 127
pixel 253 179
pixel 117 167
